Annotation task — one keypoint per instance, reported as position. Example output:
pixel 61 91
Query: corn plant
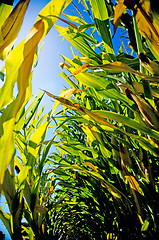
pixel 108 129
pixel 102 182
pixel 21 189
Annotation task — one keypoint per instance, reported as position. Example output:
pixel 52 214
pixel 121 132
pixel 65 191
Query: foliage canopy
pixel 102 180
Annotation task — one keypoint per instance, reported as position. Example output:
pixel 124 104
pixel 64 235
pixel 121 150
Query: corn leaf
pixel 12 25
pixel 54 8
pixel 21 74
pixel 101 18
pixel 148 28
pixel 79 42
pixel 119 9
pixel 5 10
pixel 122 67
pixel 65 94
pixel 34 141
pixel 6 218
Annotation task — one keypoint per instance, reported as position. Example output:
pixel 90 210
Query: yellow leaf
pixel 139 87
pixel 12 25
pixel 51 190
pixel 147 24
pixel 150 65
pixel 133 183
pixel 125 158
pixel 1 38
pixel 62 100
pixel 147 27
pixel 7 120
pixel 91 166
pixel 65 94
pixel 113 190
pixel 85 59
pixel 76 167
pixel 80 69
pixel 148 113
pixel 97 118
pixel 55 8
pixel 5 10
pixel 74 176
pixel 119 9
pixel 90 136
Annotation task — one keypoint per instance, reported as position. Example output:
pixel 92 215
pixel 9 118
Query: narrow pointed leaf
pixel 119 9
pixel 65 94
pixel 122 67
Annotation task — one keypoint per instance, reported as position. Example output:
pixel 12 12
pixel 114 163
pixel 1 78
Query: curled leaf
pixel 65 94
pixel 80 69
pixel 12 25
pixel 62 100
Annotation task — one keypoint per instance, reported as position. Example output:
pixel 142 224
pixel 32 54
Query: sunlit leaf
pixel 79 42
pixel 23 175
pixel 21 73
pixel 145 226
pixel 34 141
pixel 119 9
pixel 6 218
pixel 89 164
pixel 65 94
pixel 80 69
pixel 101 18
pixel 12 25
pixel 122 67
pixel 5 10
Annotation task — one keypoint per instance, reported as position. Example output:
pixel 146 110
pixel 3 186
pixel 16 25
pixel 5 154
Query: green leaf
pixel 23 175
pixel 75 19
pixel 2 75
pixel 127 121
pixel 6 219
pixel 34 107
pixel 44 156
pixel 101 18
pixel 78 42
pixel 34 143
pixel 145 226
